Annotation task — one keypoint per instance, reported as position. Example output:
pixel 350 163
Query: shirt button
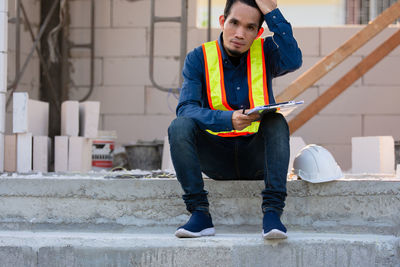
pixel 274 17
pixel 238 88
pixel 283 33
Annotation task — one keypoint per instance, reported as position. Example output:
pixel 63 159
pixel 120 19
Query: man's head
pixel 240 25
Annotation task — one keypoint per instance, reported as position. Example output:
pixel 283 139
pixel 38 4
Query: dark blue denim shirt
pixel 282 55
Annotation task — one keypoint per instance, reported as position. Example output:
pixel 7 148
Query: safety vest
pixel 256 78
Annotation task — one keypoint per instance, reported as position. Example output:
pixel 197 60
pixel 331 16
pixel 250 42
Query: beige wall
pixel 130 104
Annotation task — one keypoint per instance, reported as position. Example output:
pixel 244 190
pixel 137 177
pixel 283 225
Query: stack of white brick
pixel 79 123
pixel 30 124
pixel 3 75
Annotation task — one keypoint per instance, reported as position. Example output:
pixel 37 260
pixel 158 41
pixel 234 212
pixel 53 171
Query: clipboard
pixel 284 107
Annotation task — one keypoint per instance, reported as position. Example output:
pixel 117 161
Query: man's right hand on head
pixel 241 121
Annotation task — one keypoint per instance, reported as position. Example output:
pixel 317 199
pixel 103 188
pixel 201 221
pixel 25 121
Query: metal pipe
pixel 183 42
pixel 184 29
pixel 91 46
pixel 41 31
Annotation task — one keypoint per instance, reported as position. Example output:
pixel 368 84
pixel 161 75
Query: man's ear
pixel 260 32
pixel 221 21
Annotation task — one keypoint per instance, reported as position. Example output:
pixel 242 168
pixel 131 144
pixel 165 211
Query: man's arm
pixel 283 53
pixel 193 99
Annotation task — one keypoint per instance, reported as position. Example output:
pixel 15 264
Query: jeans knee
pixel 181 128
pixel 274 123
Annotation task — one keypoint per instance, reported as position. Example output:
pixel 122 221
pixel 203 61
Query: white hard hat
pixel 315 164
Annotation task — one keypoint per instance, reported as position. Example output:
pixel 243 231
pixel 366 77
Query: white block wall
pixel 3 74
pixel 24 152
pixel 61 153
pixel 133 107
pixel 373 154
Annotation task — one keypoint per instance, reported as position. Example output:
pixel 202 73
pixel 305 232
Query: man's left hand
pixel 266 6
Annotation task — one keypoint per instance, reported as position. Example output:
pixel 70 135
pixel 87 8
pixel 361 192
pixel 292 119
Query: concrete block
pixel 296 144
pixel 323 129
pixel 10 153
pixel 20 113
pixel 2 112
pixel 381 74
pixel 2 150
pixel 89 113
pixel 38 117
pixel 341 70
pixel 158 102
pixel 333 37
pixel 285 80
pixel 3 31
pixel 24 152
pixel 167 41
pixel 41 153
pixel 3 72
pixel 79 154
pixel 30 115
pixel 167 72
pixel 166 163
pixel 120 99
pixel 126 71
pixel 70 118
pixel 80 72
pixel 381 125
pixel 4 5
pixel 80 13
pixel 14 255
pixel 369 100
pixel 308 40
pixel 342 154
pixel 131 13
pixel 373 154
pixel 147 128
pixel 61 153
pixel 131 42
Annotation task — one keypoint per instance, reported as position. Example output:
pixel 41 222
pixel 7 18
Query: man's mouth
pixel 237 44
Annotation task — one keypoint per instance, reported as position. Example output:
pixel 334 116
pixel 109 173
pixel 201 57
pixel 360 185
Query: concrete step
pixel 230 247
pixel 362 204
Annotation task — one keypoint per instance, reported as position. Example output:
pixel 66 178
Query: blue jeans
pixel 261 156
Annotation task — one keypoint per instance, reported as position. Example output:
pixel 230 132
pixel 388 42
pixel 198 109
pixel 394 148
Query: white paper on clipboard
pixel 284 107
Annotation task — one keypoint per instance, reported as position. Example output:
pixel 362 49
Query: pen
pixel 244 110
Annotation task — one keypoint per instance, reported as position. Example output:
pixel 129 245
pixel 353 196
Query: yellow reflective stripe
pixel 214 73
pixel 257 75
pixel 253 128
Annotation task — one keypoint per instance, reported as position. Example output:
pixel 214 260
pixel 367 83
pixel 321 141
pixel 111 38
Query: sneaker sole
pixel 185 233
pixel 275 234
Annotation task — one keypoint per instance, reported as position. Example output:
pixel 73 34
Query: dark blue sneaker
pixel 273 227
pixel 199 224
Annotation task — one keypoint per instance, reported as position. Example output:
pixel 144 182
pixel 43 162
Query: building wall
pixel 31 77
pixel 131 105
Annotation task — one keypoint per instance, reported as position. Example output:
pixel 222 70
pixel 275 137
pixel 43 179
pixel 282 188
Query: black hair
pixel 252 3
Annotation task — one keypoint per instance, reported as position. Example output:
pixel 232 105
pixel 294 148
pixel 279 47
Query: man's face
pixel 240 28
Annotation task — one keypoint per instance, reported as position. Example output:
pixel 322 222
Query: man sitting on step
pixel 213 134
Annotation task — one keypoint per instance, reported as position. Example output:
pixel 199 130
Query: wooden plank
pixel 329 62
pixel 342 84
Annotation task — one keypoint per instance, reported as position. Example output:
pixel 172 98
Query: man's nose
pixel 240 33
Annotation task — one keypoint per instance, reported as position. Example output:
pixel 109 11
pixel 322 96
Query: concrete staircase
pixel 75 220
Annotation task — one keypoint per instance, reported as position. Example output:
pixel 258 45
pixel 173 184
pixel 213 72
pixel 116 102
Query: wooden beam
pixel 342 84
pixel 329 62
